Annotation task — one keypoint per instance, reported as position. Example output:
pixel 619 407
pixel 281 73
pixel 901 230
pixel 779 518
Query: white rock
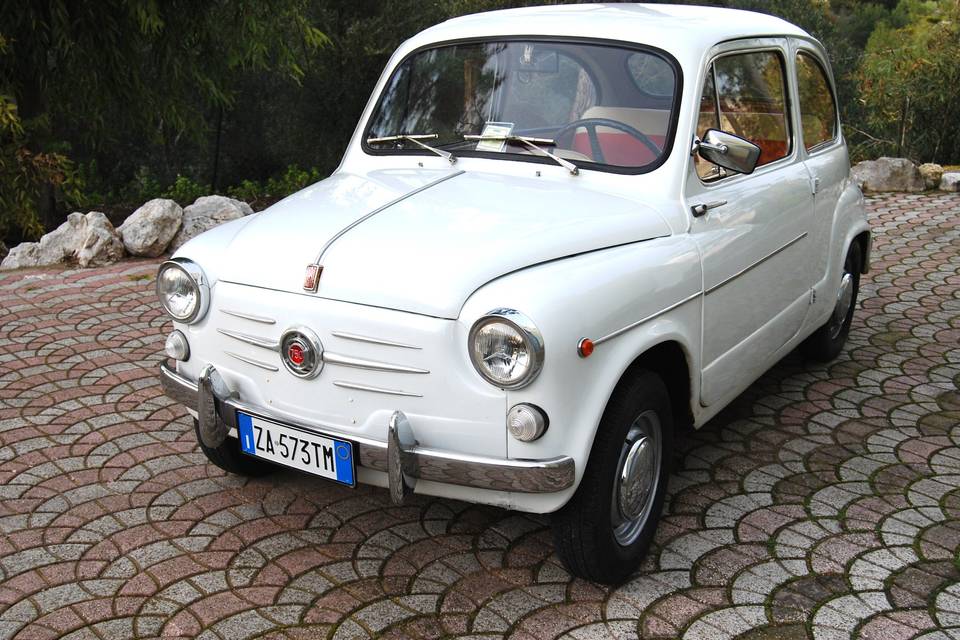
pixel 25 254
pixel 149 230
pixel 100 243
pixel 887 174
pixel 950 181
pixel 931 174
pixel 206 213
pixel 62 243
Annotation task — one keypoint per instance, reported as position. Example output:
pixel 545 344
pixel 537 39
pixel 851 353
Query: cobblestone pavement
pixel 824 502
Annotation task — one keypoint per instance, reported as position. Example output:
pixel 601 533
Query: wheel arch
pixel 865 240
pixel 671 362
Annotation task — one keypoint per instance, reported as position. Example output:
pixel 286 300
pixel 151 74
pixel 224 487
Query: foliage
pixel 121 78
pixel 184 190
pixel 25 175
pixel 292 179
pixel 150 98
pixel 909 79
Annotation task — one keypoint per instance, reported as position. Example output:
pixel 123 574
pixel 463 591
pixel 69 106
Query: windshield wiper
pixel 533 143
pixel 415 138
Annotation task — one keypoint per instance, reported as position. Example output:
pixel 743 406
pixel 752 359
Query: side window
pixel 818 111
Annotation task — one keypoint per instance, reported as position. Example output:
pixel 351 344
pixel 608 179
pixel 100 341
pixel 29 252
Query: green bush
pixel 248 191
pixel 142 187
pixel 292 180
pixel 185 190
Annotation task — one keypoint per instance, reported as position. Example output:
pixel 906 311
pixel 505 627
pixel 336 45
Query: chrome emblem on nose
pixel 301 352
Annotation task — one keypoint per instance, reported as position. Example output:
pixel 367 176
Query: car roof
pixel 675 28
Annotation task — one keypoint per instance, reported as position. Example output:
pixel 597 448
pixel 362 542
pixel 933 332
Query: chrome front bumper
pixel 398 455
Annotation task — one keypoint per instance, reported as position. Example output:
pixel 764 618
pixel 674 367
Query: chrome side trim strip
pixel 249 316
pixel 257 341
pixel 634 325
pixel 363 363
pixel 501 474
pixel 359 338
pixel 366 387
pixel 366 217
pixel 256 363
pixel 755 264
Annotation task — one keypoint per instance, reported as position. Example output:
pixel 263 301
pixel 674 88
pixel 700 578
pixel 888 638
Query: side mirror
pixel 729 151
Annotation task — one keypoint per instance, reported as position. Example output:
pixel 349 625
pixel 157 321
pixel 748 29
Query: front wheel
pixel 229 457
pixel 825 343
pixel 604 531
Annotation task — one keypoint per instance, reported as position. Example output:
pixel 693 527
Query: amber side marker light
pixel 585 347
pixel 312 277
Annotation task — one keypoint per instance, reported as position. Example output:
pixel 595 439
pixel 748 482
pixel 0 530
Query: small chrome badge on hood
pixel 311 280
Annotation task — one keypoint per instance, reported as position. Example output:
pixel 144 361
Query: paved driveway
pixel 825 501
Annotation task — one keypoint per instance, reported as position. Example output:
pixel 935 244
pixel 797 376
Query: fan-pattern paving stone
pixel 825 502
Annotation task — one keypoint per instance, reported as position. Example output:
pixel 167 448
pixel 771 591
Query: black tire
pixel 827 342
pixel 583 530
pixel 229 457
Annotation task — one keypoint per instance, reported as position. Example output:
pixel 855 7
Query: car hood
pixel 430 246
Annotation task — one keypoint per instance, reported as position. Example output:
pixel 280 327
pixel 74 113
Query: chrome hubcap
pixel 638 474
pixel 844 300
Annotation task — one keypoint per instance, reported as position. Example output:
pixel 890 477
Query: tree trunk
pixel 215 178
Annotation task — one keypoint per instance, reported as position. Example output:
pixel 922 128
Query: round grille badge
pixel 301 352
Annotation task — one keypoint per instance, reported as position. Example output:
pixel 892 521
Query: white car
pixel 558 236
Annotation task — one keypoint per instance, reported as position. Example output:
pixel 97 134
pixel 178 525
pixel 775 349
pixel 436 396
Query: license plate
pixel 292 447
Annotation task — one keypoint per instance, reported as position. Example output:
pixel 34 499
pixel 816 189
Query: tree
pixel 93 72
pixel 25 174
pixel 908 82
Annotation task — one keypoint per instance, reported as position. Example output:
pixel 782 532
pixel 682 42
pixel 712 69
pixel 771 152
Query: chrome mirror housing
pixel 728 151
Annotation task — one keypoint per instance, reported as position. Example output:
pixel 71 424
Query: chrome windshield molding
pixel 755 264
pixel 364 218
pixel 499 474
pixel 634 325
pixel 366 387
pixel 257 341
pixel 373 365
pixel 256 363
pixel 249 316
pixel 358 338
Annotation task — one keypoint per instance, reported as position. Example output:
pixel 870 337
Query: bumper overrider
pixel 398 455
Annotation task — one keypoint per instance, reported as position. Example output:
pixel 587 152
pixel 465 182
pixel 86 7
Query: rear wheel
pixel 825 343
pixel 604 531
pixel 229 457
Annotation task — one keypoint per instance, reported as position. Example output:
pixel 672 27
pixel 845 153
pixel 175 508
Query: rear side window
pixel 745 94
pixel 818 111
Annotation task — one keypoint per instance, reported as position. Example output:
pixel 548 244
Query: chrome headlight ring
pixel 521 346
pixel 184 278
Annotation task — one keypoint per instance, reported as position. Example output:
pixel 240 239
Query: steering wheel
pixel 591 124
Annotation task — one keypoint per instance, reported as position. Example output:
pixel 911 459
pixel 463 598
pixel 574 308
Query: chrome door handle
pixel 700 209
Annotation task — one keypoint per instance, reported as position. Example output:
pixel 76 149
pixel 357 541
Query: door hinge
pixel 814 185
pixel 813 296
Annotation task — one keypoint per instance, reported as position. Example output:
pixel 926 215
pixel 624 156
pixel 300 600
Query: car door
pixel 825 154
pixel 754 235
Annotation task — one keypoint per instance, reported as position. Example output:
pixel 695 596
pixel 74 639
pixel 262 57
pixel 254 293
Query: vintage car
pixel 558 236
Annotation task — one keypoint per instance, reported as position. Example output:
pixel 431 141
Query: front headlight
pixel 183 290
pixel 506 348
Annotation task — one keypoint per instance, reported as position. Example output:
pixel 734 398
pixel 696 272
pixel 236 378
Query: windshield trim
pixel 669 139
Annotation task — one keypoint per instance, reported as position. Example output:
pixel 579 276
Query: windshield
pixel 599 106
